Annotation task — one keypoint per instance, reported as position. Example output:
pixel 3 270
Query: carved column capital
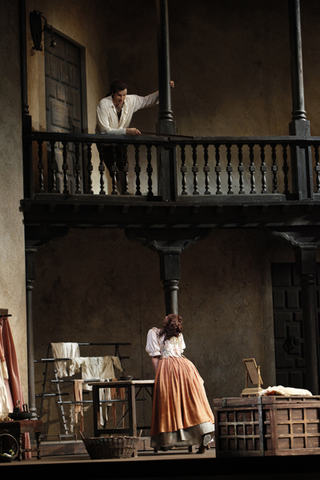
pixel 167 240
pixel 169 243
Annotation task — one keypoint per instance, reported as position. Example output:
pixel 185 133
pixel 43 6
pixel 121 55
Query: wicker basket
pixel 8 454
pixel 110 447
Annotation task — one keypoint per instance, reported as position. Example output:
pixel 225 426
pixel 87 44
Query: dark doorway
pixel 288 325
pixel 64 101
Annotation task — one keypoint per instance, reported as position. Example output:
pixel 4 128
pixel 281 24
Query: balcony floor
pixel 83 211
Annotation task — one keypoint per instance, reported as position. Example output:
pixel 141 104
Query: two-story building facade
pixel 220 218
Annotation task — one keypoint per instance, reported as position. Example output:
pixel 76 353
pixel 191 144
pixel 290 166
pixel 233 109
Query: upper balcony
pixel 172 181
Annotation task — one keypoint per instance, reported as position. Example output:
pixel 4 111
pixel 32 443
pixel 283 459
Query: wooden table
pixel 17 428
pixel 133 388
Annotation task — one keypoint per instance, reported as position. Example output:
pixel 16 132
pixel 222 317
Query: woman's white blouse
pixel 156 346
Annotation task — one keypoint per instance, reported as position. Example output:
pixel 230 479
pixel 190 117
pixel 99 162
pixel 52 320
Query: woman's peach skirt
pixel 181 413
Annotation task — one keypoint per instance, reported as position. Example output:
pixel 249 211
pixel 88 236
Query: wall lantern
pixel 36 28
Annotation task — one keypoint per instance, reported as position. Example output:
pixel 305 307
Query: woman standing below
pixel 181 414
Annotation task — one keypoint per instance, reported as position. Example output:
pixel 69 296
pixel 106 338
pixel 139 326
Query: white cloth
pixel 285 391
pixel 4 401
pixel 107 118
pixel 158 346
pixel 95 368
pixel 104 394
pixel 64 350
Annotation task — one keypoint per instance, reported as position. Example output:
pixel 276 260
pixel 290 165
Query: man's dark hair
pixel 117 86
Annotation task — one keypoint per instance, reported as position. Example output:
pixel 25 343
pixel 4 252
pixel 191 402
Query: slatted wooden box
pixel 268 425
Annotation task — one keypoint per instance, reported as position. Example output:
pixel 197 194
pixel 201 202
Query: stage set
pixel 273 432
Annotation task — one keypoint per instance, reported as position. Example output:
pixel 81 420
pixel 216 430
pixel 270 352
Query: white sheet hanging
pixel 95 368
pixel 64 350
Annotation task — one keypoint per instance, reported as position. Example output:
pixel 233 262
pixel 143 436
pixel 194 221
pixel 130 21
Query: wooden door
pixel 288 325
pixel 63 101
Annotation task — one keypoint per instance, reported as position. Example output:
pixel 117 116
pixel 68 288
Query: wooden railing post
pixel 300 157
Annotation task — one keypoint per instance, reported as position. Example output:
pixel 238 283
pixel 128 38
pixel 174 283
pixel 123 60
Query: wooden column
pixel 30 276
pixel 299 126
pixel 23 57
pixel 26 118
pixel 169 244
pixel 165 117
pixel 166 156
pixel 170 274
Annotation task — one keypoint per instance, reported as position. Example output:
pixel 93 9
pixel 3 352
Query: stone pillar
pixel 299 126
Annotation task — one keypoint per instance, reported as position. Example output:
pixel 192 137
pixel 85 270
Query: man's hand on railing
pixel 133 131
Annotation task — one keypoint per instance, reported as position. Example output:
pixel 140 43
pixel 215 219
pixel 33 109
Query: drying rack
pixel 58 381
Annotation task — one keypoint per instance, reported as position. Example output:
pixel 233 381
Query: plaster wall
pixel 12 279
pixel 111 292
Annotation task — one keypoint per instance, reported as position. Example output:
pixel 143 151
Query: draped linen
pixel 64 350
pixel 6 404
pixel 13 382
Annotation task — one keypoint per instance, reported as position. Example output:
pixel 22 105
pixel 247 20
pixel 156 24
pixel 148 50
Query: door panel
pixel 288 326
pixel 63 101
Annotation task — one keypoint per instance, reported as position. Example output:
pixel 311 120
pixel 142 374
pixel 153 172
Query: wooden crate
pixel 268 425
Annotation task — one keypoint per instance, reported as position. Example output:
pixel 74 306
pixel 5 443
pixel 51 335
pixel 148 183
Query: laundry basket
pixel 110 447
pixel 9 448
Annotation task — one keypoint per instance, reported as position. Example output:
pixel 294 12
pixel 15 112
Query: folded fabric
pixel 285 391
pixel 64 350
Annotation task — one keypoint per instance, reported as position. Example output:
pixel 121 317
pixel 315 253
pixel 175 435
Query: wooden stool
pixel 31 426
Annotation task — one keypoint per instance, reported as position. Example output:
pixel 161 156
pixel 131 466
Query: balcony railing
pixel 207 167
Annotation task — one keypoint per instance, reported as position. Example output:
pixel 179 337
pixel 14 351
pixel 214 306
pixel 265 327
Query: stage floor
pixel 176 464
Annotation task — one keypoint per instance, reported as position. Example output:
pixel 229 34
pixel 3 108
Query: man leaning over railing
pixel 114 114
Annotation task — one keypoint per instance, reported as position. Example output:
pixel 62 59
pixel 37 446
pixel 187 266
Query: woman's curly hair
pixel 172 326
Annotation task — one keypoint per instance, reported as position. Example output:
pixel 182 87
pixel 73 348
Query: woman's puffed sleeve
pixel 182 344
pixel 153 346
